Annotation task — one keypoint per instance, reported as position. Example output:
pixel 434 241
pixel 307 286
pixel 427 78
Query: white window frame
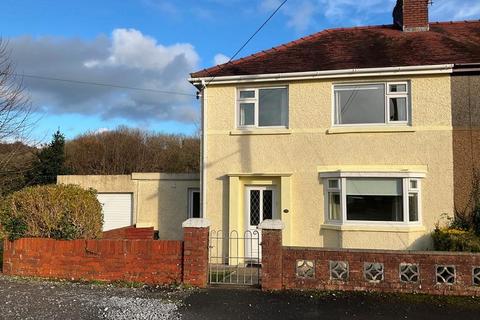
pixel 255 101
pixel 329 190
pixel 191 191
pixel 406 190
pixel 388 95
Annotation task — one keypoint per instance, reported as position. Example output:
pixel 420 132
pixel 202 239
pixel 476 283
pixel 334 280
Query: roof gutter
pixel 344 73
pixel 465 68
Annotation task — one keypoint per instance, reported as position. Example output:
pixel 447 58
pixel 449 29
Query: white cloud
pixel 102 130
pixel 455 10
pixel 301 17
pixel 303 14
pixel 299 13
pixel 129 58
pixel 131 48
pixel 353 9
pixel 220 59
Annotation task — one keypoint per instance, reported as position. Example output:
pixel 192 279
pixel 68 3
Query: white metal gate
pixel 231 261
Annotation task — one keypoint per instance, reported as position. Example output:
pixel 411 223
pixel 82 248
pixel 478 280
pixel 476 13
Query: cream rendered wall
pixel 159 200
pixel 307 145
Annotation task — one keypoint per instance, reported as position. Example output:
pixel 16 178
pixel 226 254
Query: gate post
pixel 272 268
pixel 195 252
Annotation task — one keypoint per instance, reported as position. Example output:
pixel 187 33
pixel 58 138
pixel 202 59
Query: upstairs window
pixel 262 107
pixel 378 103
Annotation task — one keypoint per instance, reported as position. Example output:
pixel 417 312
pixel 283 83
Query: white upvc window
pixel 265 107
pixel 333 196
pixel 382 103
pixel 355 198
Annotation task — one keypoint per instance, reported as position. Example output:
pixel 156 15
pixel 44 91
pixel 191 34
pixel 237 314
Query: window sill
pixel 374 228
pixel 369 129
pixel 240 132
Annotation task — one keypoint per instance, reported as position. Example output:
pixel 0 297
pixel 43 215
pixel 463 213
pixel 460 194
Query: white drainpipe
pixel 203 143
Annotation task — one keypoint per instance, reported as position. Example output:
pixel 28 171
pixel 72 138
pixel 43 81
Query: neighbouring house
pixel 354 137
pixel 159 200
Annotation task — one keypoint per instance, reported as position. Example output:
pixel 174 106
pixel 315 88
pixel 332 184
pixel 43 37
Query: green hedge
pixel 450 239
pixel 51 211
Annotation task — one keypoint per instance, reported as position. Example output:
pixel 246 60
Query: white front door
pixel 260 205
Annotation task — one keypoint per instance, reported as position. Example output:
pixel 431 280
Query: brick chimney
pixel 411 15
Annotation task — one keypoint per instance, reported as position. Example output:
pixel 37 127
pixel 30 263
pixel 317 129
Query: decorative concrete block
pixel 339 270
pixel 445 274
pixel 305 268
pixel 409 272
pixel 373 271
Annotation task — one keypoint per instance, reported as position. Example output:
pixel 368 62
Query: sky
pixel 155 44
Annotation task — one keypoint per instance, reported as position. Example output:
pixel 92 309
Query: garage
pixel 117 210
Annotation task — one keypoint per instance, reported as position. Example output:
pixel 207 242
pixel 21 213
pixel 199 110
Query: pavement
pixel 25 298
pixel 220 303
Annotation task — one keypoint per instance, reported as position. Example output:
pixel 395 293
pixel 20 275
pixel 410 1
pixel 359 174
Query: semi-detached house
pixel 354 137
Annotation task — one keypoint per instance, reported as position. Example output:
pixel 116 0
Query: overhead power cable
pixel 110 85
pixel 249 39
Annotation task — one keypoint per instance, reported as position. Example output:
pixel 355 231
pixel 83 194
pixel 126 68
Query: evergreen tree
pixel 50 161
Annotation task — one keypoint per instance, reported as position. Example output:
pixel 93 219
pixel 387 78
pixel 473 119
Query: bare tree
pixel 15 118
pixel 125 150
pixel 15 106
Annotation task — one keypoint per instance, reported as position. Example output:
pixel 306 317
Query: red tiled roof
pixel 362 47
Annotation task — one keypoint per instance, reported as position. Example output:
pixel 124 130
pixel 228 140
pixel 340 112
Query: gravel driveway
pixel 36 299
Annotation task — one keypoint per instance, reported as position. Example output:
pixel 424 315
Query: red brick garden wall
pixel 132 259
pixel 357 261
pixel 130 233
pixel 147 261
pixel 317 268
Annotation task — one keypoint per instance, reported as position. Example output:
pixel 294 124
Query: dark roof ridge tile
pixel 456 22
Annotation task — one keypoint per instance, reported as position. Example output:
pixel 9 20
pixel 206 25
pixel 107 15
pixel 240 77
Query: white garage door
pixel 117 210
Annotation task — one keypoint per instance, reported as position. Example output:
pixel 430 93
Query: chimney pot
pixel 411 15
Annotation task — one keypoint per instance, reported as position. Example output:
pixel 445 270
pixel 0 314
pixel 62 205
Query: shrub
pixel 51 211
pixel 476 220
pixel 449 239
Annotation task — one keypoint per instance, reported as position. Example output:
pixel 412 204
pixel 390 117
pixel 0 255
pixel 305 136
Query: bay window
pixel 262 107
pixel 373 104
pixel 363 199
